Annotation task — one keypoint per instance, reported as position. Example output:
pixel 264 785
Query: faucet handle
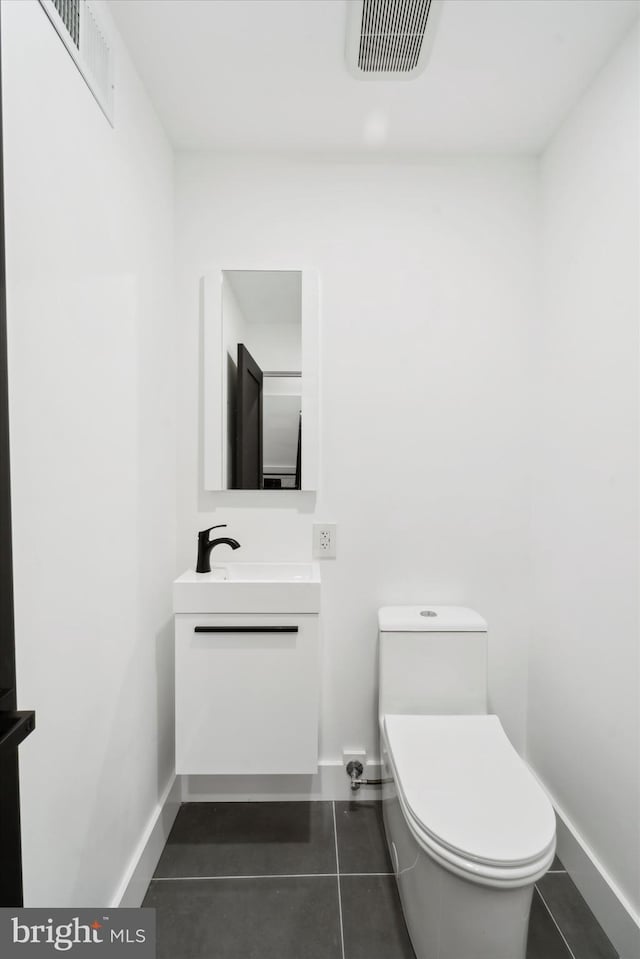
pixel 205 532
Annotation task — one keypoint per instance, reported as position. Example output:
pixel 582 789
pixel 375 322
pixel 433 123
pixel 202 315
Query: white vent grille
pixel 390 38
pixel 391 34
pixel 95 49
pixel 69 12
pixel 82 33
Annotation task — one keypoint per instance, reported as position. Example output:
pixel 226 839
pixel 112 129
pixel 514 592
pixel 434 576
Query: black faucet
pixel 205 545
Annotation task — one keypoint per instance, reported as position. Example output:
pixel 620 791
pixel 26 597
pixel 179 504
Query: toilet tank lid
pixel 430 619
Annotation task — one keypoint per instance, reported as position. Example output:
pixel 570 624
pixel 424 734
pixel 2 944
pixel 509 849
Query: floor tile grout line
pixel 275 875
pixel 335 836
pixel 553 918
pixel 278 875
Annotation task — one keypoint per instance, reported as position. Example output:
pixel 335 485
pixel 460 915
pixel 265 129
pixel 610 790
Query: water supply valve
pixel 355 770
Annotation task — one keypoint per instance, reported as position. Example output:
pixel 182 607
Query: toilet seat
pixel 468 798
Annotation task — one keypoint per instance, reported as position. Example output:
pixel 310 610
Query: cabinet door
pixel 247 691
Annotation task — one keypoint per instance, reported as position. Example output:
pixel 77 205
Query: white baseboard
pixel 330 782
pixel 145 858
pixel 608 904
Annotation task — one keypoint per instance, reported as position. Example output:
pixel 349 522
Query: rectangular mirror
pixel 260 379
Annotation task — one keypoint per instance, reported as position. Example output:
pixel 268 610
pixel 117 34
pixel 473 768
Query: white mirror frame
pixel 214 436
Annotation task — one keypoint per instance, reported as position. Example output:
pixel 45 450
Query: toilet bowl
pixel 469 828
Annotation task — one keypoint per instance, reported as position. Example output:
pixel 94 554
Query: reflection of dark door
pixel 14 726
pixel 248 452
pixel 299 454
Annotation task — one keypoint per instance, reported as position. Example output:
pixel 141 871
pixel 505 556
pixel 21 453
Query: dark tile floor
pixel 300 880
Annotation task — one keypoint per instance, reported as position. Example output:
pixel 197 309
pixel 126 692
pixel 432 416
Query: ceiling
pixel 270 75
pixel 267 296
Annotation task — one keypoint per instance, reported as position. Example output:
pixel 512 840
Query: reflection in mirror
pixel 262 347
pixel 260 379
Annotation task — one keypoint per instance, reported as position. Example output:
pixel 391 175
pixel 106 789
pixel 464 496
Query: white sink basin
pixel 266 572
pixel 249 588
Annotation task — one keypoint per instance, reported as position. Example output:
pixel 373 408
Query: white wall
pixel 583 719
pixel 276 346
pixel 89 223
pixel 427 274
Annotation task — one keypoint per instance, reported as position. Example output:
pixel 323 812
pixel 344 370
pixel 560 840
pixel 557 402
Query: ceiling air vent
pixel 79 26
pixel 390 39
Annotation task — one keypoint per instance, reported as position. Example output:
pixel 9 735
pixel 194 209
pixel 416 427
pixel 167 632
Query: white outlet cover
pixel 324 540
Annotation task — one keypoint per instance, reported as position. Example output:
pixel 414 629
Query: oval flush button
pixel 428 612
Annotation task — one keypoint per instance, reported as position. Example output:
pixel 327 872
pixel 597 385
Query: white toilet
pixel 469 828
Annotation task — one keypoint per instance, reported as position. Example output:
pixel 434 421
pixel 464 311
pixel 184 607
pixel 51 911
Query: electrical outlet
pixel 324 540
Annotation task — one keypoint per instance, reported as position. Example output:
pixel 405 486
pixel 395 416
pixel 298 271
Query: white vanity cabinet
pixel 247 692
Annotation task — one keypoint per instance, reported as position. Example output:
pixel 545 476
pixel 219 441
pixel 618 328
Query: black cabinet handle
pixel 14 727
pixel 245 629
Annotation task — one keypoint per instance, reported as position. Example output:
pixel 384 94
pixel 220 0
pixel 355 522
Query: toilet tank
pixel 432 660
